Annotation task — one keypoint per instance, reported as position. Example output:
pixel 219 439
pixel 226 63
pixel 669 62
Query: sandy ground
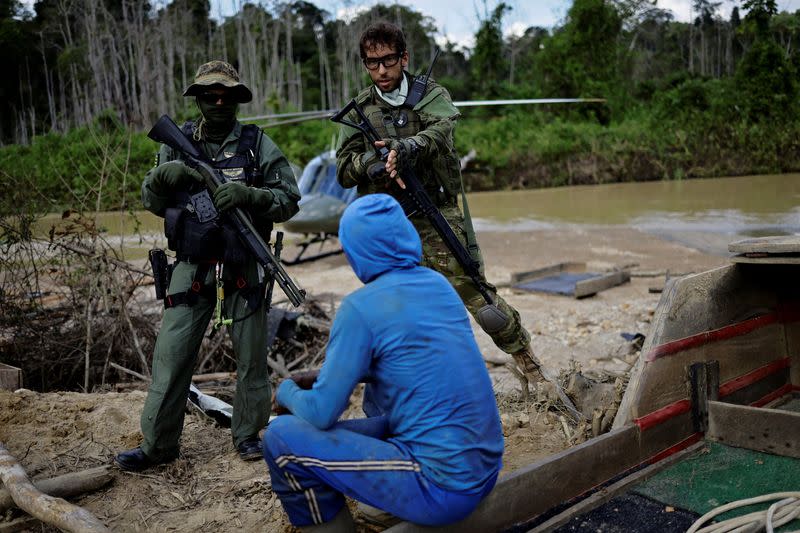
pixel 209 489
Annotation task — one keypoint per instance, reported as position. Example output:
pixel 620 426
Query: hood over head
pixel 377 237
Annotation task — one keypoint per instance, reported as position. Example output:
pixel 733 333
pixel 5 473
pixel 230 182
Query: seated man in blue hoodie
pixel 433 445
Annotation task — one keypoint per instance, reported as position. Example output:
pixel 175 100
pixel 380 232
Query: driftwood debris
pixel 23 523
pixel 48 509
pixel 214 376
pixel 65 486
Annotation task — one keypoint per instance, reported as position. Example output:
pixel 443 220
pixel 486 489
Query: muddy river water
pixel 702 213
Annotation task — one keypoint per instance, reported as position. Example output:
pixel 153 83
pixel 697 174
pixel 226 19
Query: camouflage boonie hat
pixel 219 74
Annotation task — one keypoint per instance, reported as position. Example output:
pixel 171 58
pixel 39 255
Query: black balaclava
pixel 217 120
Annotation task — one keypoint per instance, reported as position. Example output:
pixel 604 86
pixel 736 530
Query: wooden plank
pixel 779 400
pixel 689 305
pixel 518 277
pixel 755 391
pixel 665 435
pixel 767 259
pixel 532 490
pixel 10 377
pixel 781 244
pixel 665 380
pixel 604 495
pixel 792 332
pixel 698 382
pixel 755 428
pixel 712 368
pixel 592 286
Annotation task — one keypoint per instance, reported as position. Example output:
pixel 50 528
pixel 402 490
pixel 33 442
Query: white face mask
pixel 398 96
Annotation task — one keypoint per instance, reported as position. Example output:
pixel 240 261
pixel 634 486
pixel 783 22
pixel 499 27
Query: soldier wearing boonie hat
pixel 219 74
pixel 260 181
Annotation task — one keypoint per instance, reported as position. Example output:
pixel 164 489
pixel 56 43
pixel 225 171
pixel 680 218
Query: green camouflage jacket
pixel 430 123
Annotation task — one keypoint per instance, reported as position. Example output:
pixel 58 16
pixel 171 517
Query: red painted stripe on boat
pixel 729 387
pixel 714 335
pixel 774 395
pixel 674 409
pixel 685 443
pixel 662 415
pixel 784 314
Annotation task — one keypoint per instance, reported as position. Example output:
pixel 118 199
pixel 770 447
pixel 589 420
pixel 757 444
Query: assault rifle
pixel 416 200
pixel 167 132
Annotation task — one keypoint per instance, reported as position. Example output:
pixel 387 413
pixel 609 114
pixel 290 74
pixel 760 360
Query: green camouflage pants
pixel 175 356
pixel 436 256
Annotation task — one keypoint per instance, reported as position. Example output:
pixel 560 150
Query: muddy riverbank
pixel 209 489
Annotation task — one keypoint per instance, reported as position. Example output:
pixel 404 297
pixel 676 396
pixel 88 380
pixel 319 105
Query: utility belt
pixel 162 272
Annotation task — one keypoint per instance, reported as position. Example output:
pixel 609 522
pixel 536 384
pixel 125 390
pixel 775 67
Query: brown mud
pixel 209 489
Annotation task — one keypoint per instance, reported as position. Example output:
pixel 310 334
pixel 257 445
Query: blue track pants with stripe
pixel 312 469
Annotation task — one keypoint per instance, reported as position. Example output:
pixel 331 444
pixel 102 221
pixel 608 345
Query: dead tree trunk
pixel 67 485
pixel 55 511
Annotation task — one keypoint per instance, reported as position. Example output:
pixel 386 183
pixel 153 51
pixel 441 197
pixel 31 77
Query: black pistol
pixel 161 272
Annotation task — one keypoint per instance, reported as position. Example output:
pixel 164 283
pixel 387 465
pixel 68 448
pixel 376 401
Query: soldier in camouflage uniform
pixel 422 135
pixel 259 181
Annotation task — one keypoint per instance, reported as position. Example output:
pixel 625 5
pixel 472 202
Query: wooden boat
pixel 710 414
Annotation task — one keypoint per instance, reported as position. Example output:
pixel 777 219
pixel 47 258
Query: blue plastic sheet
pixel 563 283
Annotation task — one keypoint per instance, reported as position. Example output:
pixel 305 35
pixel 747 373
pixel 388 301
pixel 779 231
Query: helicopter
pixel 323 200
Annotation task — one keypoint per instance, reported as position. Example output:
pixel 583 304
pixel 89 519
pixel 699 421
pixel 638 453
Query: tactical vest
pixel 441 176
pixel 197 241
pixel 242 165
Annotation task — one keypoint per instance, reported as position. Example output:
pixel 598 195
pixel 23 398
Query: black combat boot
pixel 250 449
pixel 135 460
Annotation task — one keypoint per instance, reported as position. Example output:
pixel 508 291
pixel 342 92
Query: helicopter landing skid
pixel 321 239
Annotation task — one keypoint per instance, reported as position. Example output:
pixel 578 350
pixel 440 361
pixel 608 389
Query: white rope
pixel 773 508
pixel 778 514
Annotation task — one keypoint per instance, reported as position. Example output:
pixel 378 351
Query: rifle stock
pixel 167 132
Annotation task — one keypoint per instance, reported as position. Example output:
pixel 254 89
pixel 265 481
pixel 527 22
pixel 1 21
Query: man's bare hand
pixel 276 407
pixel 391 164
pixel 305 380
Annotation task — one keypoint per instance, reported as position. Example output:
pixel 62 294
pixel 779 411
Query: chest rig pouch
pixel 440 177
pixel 193 228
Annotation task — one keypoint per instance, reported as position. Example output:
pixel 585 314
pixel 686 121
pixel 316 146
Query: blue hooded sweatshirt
pixel 406 333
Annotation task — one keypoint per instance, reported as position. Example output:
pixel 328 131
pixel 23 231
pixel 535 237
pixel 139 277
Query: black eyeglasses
pixel 387 61
pixel 212 98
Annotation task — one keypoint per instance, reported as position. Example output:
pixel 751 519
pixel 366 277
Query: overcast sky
pixel 458 19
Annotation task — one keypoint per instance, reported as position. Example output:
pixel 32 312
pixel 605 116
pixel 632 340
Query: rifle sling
pixel 469 229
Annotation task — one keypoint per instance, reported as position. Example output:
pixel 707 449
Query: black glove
pixel 236 194
pixel 377 171
pixel 370 166
pixel 407 150
pixel 173 175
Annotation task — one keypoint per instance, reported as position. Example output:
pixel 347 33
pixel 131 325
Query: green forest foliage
pixel 716 96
